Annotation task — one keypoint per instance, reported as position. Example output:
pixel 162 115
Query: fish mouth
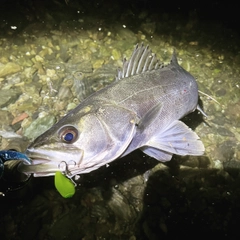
pixel 46 162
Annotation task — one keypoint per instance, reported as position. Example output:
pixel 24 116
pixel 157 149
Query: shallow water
pixel 55 53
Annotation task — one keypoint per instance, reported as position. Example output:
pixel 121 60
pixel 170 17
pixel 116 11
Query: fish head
pixel 80 142
pixel 190 94
pixel 186 89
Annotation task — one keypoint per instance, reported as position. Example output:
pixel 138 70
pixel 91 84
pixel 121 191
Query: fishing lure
pixel 64 185
pixel 11 178
pixel 9 155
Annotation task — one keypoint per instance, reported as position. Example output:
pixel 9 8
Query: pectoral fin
pixel 139 140
pixel 177 138
pixel 150 116
pixel 119 127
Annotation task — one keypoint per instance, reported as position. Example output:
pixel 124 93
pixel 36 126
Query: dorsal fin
pixel 142 60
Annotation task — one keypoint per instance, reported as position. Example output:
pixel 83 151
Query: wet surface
pixel 55 53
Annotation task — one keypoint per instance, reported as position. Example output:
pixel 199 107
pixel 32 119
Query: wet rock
pixel 14 79
pixel 9 68
pixel 218 117
pixel 39 126
pixel 116 54
pixel 120 206
pixel 8 96
pixel 149 27
pixel 221 92
pixel 238 152
pixel 225 132
pixel 102 76
pixel 98 63
pixel 15 143
pixel 64 93
pixel 195 162
pixel 125 34
pixel 226 150
pixel 233 113
pixel 81 88
pixel 79 65
pixel 232 165
pixel 5 117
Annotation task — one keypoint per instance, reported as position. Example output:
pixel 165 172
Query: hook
pixel 65 168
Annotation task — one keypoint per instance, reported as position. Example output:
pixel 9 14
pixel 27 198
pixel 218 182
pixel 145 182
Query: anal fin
pixel 157 154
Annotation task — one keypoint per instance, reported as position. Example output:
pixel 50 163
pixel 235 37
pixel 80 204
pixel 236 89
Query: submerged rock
pixel 8 96
pixel 9 69
pixel 39 126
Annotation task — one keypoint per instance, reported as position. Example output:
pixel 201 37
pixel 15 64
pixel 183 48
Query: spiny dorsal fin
pixel 142 60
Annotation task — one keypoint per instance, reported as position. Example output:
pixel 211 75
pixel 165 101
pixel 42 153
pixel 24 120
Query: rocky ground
pixel 55 53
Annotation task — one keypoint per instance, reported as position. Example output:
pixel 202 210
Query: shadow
pixel 103 178
pixel 195 118
pixel 39 207
pixel 190 203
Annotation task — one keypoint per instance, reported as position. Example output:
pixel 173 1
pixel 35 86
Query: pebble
pixel 98 63
pixel 5 118
pixel 19 118
pixel 64 93
pixel 39 126
pixel 8 97
pixel 9 68
pixel 39 59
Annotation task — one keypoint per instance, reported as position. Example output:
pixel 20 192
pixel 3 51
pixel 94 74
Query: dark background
pixel 24 11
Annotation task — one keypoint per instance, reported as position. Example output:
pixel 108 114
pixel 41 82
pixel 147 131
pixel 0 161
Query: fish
pixel 141 109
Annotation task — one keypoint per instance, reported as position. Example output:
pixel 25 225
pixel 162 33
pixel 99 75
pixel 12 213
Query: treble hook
pixel 66 169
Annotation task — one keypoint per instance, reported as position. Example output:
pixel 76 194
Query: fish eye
pixel 68 134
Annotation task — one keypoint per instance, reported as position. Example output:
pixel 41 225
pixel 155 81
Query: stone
pixel 9 68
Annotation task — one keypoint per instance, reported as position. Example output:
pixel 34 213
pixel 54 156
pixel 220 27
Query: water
pixel 46 47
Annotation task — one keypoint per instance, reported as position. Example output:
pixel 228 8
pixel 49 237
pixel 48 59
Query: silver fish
pixel 141 109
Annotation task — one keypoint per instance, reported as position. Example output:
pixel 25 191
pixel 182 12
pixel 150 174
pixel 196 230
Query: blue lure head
pixel 9 155
pixel 12 179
